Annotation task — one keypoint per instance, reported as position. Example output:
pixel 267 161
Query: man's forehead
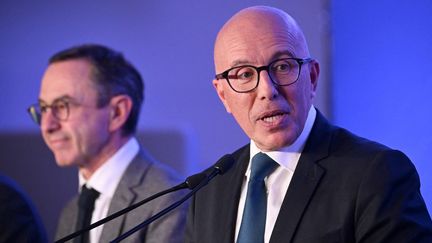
pixel 61 98
pixel 238 49
pixel 254 30
pixel 253 60
pixel 71 78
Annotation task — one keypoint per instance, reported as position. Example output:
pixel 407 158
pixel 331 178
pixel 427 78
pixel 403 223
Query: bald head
pixel 258 23
pixel 265 39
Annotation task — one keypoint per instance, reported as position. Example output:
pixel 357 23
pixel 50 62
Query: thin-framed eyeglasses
pixel 282 72
pixel 60 109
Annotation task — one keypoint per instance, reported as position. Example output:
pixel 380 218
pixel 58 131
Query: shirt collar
pixel 106 178
pixel 288 156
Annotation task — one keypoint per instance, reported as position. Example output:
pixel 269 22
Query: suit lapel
pixel 123 197
pixel 69 220
pixel 230 198
pixel 304 182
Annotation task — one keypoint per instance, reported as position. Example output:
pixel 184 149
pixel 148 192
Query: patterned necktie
pixel 254 215
pixel 86 202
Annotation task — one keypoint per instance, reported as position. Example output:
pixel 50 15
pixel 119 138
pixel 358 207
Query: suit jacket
pixel 143 178
pixel 344 189
pixel 19 221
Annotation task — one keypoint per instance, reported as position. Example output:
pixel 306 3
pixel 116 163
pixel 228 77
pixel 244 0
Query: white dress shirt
pixel 105 181
pixel 278 181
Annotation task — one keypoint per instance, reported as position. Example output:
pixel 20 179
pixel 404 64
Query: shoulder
pixel 340 141
pixel 365 153
pixel 341 145
pixel 144 169
pixel 345 155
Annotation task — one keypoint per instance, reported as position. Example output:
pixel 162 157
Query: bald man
pixel 321 182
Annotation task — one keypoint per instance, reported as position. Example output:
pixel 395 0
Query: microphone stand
pixel 189 183
pixel 168 209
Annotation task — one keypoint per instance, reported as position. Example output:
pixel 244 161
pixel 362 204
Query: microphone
pixel 221 166
pixel 191 182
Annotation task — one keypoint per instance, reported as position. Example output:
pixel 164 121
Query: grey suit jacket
pixel 143 178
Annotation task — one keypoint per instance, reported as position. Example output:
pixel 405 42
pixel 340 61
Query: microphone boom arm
pixel 121 212
pixel 215 172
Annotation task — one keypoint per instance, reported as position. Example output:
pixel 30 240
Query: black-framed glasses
pixel 282 72
pixel 59 109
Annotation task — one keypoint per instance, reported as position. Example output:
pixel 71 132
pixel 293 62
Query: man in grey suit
pixel 88 109
pixel 300 179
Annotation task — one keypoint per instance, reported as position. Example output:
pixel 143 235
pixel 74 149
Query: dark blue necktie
pixel 254 215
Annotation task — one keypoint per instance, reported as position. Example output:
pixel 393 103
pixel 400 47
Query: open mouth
pixel 273 117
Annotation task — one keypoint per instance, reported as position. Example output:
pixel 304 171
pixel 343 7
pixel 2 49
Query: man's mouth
pixel 57 142
pixel 273 118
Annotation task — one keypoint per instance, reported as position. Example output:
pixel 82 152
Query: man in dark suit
pixel 19 221
pixel 300 179
pixel 88 109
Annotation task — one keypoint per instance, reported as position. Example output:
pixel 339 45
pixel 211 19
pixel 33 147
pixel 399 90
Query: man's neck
pixel 107 151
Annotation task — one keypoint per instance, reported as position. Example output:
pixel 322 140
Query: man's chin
pixel 64 165
pixel 272 143
pixel 63 162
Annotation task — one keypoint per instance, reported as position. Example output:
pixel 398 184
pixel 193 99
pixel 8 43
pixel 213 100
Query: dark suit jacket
pixel 344 189
pixel 19 221
pixel 143 178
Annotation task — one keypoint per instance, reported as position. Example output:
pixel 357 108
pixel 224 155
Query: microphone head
pixel 224 163
pixel 193 180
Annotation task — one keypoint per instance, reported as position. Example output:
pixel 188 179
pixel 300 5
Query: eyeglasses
pixel 59 109
pixel 282 72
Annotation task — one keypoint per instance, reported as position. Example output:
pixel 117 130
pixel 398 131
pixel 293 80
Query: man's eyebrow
pixel 240 62
pixel 63 97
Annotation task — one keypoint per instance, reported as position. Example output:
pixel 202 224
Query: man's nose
pixel 48 121
pixel 266 89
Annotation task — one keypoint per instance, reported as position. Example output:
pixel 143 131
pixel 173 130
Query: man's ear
pixel 120 108
pixel 221 93
pixel 314 71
